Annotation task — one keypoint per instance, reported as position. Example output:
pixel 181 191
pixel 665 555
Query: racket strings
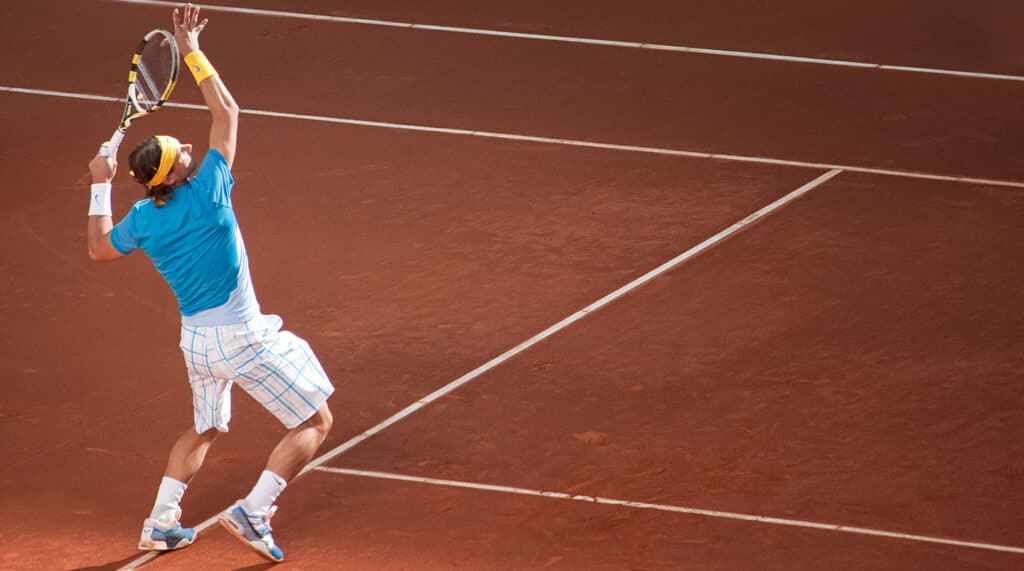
pixel 148 91
pixel 154 75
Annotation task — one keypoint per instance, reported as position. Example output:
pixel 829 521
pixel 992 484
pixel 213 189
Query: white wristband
pixel 99 205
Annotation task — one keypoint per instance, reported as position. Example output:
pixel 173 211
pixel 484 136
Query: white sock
pixel 167 508
pixel 263 494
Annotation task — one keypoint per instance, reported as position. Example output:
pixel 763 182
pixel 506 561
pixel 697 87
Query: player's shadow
pixel 113 566
pixel 260 567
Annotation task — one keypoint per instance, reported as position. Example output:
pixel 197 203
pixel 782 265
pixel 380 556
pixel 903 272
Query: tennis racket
pixel 150 82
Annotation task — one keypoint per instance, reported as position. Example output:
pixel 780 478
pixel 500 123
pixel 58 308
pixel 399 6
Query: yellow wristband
pixel 199 66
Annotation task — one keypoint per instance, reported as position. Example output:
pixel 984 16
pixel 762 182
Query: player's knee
pixel 207 436
pixel 323 420
pixel 210 435
pixel 328 419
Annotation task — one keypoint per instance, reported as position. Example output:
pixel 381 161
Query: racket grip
pixel 109 149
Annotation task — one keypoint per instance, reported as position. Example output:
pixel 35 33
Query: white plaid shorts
pixel 275 367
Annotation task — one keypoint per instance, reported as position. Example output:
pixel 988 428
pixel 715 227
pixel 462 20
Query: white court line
pixel 589 41
pixel 676 509
pixel 557 141
pixel 669 265
pixel 674 262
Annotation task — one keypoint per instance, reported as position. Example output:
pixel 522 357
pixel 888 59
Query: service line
pixel 676 509
pixel 588 41
pixel 477 372
pixel 556 141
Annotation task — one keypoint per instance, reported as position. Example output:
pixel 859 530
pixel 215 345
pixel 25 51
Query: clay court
pixel 606 285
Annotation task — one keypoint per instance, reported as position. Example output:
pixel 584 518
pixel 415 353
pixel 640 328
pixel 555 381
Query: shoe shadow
pixel 112 566
pixel 260 567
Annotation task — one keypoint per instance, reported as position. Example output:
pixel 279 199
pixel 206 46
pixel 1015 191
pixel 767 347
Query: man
pixel 187 227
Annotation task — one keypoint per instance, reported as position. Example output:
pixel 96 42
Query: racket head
pixel 153 75
pixel 154 72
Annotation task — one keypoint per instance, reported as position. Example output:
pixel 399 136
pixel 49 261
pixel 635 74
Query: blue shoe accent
pixel 159 536
pixel 252 530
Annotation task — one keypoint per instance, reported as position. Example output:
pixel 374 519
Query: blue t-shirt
pixel 196 245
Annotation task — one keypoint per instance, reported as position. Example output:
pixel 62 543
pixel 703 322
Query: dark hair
pixel 144 161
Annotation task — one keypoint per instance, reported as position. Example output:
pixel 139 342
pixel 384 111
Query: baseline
pixel 839 528
pixel 588 41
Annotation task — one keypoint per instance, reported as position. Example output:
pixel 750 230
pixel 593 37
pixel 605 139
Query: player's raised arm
pixel 223 109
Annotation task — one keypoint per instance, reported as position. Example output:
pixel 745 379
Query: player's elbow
pixel 225 118
pixel 96 256
pixel 231 113
pixel 227 110
pixel 100 254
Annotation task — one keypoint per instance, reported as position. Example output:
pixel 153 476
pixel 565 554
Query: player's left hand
pixel 103 168
pixel 187 28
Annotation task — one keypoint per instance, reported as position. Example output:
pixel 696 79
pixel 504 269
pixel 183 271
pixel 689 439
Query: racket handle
pixel 109 149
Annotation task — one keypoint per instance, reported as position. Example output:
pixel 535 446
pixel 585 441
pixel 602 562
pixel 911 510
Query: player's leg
pixel 188 453
pixel 299 444
pixel 211 404
pixel 162 530
pixel 249 518
pixel 288 381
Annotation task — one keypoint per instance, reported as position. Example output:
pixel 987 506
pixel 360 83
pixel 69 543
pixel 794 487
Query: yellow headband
pixel 169 147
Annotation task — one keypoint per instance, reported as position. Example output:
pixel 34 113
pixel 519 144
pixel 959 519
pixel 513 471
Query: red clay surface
pixel 854 359
pixel 783 110
pixel 827 379
pixel 874 31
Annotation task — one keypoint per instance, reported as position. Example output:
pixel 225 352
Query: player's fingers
pixel 174 19
pixel 202 25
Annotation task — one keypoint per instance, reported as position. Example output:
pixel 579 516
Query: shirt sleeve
pixel 124 236
pixel 214 177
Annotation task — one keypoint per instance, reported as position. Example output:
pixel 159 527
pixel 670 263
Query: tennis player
pixel 186 226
